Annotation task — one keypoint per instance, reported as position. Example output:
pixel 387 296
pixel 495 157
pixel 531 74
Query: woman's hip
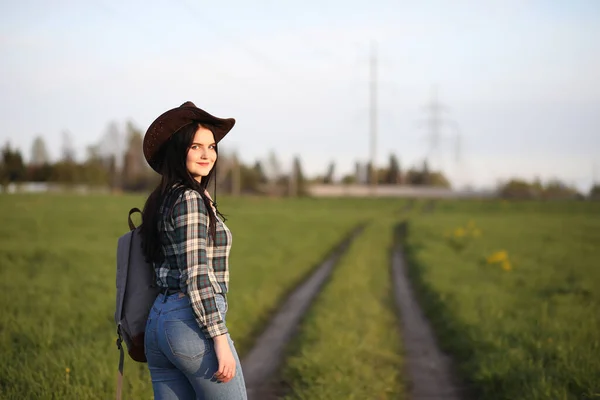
pixel 177 328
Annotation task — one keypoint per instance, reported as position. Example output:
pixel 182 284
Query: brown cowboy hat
pixel 173 120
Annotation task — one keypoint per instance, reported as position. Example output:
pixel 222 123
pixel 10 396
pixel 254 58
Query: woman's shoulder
pixel 189 199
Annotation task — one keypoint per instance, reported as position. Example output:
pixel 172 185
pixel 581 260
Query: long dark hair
pixel 173 169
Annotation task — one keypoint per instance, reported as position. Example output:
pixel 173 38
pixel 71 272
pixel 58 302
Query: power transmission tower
pixel 435 123
pixel 373 114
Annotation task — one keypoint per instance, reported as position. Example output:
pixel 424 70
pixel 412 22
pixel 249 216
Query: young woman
pixel 190 353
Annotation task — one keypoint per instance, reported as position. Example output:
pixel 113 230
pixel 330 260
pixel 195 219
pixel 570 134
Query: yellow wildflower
pixel 497 257
pixel 506 265
pixel 459 232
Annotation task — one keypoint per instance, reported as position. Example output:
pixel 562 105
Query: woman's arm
pixel 191 232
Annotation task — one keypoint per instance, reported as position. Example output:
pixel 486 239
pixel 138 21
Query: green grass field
pixel 57 282
pixel 512 291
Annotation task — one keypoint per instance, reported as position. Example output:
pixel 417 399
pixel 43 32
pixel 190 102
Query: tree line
pixel 553 189
pixel 117 163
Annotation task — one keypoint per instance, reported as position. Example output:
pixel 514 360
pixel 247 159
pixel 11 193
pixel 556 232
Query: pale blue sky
pixel 521 78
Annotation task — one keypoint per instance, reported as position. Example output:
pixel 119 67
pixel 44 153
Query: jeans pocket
pixel 185 339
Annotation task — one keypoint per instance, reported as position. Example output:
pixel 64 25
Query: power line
pixel 253 53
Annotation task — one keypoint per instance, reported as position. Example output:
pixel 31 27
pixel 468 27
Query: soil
pixel 261 365
pixel 430 371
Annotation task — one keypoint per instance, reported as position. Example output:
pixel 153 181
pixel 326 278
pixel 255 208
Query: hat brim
pixel 172 121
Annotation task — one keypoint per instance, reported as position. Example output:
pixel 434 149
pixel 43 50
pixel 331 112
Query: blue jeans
pixel 182 361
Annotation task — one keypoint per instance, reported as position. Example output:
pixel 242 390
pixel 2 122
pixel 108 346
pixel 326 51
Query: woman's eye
pixel 212 147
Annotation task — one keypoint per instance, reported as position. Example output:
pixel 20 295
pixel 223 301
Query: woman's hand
pixel 226 370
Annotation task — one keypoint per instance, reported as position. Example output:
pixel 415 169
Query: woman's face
pixel 202 154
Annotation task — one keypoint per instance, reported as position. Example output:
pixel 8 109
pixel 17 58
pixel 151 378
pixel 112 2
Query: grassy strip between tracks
pixel 349 345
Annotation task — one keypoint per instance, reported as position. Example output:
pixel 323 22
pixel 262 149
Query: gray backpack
pixel 136 292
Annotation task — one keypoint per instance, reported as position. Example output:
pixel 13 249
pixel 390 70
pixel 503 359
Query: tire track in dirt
pixel 430 371
pixel 262 363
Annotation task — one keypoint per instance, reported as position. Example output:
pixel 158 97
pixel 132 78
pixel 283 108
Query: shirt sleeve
pixel 191 232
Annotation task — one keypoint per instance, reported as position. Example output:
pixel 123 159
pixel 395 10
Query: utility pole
pixel 373 115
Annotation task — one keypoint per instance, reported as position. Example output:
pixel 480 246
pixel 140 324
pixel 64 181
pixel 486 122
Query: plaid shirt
pixel 193 263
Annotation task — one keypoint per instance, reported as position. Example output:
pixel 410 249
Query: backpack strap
pixel 121 361
pixel 132 227
pixel 133 210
